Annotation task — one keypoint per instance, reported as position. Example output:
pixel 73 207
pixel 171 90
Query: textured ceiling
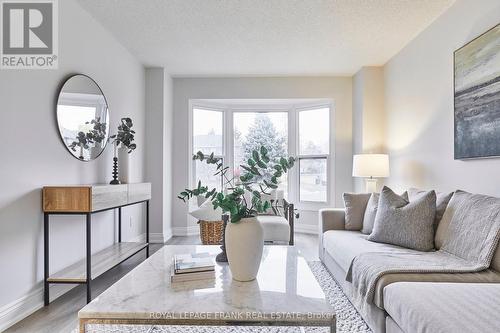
pixel 264 37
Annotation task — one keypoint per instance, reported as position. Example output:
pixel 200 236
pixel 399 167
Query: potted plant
pixel 123 142
pixel 242 198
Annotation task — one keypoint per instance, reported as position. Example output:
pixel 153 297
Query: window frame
pixel 191 162
pixel 314 205
pixel 229 107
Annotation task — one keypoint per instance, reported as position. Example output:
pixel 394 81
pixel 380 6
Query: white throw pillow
pixel 206 212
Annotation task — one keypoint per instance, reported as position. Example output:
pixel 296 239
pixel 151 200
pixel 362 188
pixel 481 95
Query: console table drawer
pixel 67 199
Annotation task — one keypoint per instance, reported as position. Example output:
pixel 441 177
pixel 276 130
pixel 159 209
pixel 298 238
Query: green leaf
pixel 255 155
pixel 256 194
pixel 267 205
pixel 200 155
pixel 277 167
pixel 251 162
pixel 263 150
pixel 266 158
pixel 274 179
pixel 268 184
pixel 255 171
pixel 284 163
pixel 261 164
pixel 291 162
pixel 249 169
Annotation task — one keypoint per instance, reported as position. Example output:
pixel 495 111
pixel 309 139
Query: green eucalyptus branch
pixel 125 135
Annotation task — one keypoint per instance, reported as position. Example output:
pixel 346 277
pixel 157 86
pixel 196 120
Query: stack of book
pixel 192 267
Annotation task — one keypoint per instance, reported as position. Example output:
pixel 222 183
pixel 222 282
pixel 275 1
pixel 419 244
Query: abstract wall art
pixel 477 97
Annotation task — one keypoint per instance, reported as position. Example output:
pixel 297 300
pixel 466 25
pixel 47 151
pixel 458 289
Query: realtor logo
pixel 29 34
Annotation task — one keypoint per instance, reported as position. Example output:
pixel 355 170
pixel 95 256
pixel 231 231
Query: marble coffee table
pixel 285 293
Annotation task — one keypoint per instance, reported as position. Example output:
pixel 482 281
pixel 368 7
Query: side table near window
pixel 87 200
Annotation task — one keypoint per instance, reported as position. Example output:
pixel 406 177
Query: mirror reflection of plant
pixel 98 132
pixel 125 135
pixel 253 181
pixel 82 140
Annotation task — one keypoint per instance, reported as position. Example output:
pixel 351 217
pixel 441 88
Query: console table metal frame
pixel 88 246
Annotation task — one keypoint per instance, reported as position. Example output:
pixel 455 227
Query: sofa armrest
pixel 331 219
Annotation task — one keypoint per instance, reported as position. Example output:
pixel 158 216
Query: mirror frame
pixel 59 91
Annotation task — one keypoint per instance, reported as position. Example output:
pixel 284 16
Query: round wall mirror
pixel 83 117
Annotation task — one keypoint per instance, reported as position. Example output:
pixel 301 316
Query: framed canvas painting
pixel 477 97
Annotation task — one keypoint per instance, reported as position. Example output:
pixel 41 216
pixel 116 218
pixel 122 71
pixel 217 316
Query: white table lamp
pixel 370 166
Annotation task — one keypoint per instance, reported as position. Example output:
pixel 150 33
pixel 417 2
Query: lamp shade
pixel 370 165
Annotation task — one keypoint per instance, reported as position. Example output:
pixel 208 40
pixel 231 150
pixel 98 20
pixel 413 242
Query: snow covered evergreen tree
pixel 263 133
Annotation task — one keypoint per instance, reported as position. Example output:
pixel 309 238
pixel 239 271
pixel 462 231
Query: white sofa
pixel 337 248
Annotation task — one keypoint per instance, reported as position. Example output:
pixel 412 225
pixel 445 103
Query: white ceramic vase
pixel 244 245
pixel 123 165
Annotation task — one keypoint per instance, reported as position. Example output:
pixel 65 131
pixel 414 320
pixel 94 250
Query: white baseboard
pixel 24 306
pixel 154 238
pixel 186 231
pixel 167 234
pixel 306 228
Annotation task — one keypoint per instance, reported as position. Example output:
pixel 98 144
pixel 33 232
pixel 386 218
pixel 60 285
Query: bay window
pixel 232 131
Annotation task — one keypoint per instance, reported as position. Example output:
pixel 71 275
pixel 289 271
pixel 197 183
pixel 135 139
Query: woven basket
pixel 211 232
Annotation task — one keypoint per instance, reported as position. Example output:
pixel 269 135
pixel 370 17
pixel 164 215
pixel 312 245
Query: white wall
pixel 419 105
pixel 159 150
pixel 32 155
pixel 338 89
pixel 368 115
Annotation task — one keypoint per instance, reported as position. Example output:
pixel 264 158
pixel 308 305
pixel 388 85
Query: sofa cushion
pixel 404 223
pixel 276 228
pixel 344 245
pixel 355 206
pixel 487 276
pixel 444 307
pixel 442 200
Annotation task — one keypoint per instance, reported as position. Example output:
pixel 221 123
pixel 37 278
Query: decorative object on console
pixel 244 264
pixel 123 142
pixel 370 166
pixel 477 97
pixel 82 117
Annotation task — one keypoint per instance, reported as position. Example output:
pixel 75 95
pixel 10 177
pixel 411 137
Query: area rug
pixel 348 319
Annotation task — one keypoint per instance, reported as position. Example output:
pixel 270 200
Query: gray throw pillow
pixel 355 206
pixel 371 212
pixel 404 223
pixel 442 199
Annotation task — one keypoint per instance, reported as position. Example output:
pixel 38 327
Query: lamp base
pixel 371 185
